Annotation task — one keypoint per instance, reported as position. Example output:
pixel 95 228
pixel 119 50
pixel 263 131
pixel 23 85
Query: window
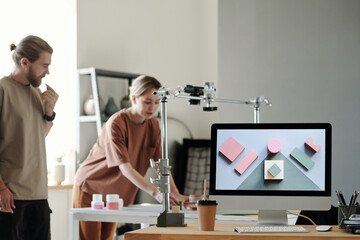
pixel 55 22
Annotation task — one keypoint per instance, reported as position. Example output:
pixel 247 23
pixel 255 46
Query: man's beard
pixel 33 80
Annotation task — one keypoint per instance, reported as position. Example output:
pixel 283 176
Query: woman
pixel 119 160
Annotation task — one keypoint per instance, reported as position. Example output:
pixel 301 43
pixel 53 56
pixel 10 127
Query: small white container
pixel 112 201
pixel 121 203
pixel 97 202
pixel 58 171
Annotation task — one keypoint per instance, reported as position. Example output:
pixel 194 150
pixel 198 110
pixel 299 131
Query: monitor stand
pixel 272 217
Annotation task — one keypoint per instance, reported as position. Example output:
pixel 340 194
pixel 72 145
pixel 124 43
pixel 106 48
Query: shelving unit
pixel 89 126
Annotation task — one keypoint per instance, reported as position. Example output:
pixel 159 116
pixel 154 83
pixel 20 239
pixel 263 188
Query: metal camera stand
pixel 162 167
pixel 207 95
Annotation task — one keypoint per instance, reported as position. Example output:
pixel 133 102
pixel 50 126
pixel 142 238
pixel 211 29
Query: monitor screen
pixel 271 166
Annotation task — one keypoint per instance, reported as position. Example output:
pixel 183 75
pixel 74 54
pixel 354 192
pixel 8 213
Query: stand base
pixel 272 217
pixel 171 220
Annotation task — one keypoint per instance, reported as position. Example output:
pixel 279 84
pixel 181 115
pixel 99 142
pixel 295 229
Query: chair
pixel 193 166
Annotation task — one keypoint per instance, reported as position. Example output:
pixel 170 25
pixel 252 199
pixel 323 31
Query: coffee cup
pixel 206 212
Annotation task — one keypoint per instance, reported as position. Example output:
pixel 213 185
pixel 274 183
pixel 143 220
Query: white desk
pixel 146 215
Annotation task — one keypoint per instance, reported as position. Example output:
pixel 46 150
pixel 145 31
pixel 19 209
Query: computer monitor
pixel 271 168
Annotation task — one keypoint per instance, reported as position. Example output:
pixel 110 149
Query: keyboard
pixel 269 229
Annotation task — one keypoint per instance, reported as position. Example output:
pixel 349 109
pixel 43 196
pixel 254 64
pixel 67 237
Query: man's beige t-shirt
pixel 22 140
pixel 121 141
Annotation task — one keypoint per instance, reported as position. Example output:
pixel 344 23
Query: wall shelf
pixel 89 126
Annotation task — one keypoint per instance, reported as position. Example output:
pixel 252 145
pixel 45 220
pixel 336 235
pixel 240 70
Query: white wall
pixel 55 22
pixel 305 57
pixel 45 19
pixel 174 41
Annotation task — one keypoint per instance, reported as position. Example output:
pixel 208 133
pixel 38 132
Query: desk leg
pixel 74 227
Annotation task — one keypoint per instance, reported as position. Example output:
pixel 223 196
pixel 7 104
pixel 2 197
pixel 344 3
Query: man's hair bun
pixel 12 47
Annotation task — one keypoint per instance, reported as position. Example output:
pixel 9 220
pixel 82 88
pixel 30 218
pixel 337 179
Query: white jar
pixel 97 202
pixel 112 201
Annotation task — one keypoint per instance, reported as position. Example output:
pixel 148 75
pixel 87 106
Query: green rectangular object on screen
pixel 302 158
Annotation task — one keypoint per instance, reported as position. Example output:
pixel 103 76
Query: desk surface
pixel 146 215
pixel 149 215
pixel 225 231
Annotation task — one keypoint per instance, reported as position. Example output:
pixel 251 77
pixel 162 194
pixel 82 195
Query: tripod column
pixel 164 162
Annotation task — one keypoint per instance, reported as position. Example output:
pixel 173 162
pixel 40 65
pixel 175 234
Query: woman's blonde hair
pixel 29 47
pixel 142 84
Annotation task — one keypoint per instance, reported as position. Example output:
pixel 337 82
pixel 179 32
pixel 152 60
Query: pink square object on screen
pixel 231 149
pixel 246 162
pixel 310 144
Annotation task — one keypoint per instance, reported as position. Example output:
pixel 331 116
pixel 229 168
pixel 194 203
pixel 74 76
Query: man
pixel 26 117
